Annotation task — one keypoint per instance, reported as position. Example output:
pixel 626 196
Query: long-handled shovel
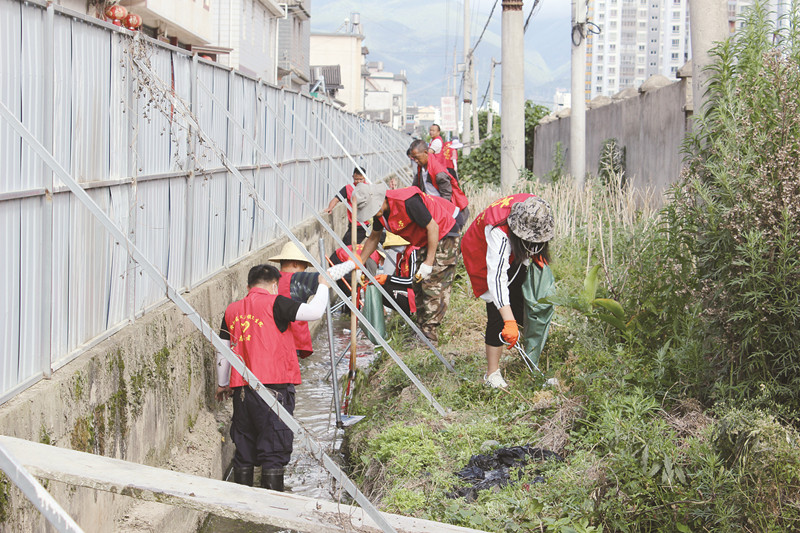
pixel 351 373
pixel 341 420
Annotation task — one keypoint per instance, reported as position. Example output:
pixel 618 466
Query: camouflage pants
pixel 433 293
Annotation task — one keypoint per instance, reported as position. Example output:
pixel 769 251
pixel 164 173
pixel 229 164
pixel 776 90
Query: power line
pixel 487 25
pixel 525 28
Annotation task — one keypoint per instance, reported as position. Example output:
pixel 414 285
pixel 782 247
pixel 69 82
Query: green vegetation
pixel 482 166
pixel 684 419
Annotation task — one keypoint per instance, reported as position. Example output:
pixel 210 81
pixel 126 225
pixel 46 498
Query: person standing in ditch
pixel 257 330
pixel 497 248
pixel 346 193
pixel 428 222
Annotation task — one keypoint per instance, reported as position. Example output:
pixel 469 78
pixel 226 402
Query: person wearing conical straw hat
pixel 299 285
pixel 497 248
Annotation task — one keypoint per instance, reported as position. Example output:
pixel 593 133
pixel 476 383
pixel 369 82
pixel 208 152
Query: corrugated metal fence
pixel 75 84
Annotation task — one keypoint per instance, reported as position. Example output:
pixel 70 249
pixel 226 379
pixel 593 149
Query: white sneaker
pixel 495 380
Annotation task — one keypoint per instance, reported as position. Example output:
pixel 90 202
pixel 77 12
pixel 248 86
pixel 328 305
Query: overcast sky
pixel 419 36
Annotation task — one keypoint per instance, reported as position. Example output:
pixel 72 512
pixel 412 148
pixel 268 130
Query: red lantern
pixel 116 22
pixel 133 21
pixel 116 13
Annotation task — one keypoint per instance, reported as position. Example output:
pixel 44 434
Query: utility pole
pixel 512 126
pixel 708 22
pixel 577 120
pixel 476 131
pixel 465 110
pixel 490 116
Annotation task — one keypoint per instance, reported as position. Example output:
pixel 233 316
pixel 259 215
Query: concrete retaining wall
pixel 650 125
pixel 133 397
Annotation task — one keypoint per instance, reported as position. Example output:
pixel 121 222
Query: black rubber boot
pixel 272 478
pixel 243 475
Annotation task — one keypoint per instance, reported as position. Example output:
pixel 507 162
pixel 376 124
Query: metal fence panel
pixel 10 62
pixel 126 137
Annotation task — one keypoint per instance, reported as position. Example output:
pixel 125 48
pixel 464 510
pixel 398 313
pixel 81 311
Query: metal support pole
pixel 46 278
pixel 188 266
pixel 337 405
pixel 198 321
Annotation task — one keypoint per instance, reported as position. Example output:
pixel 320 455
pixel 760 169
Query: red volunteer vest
pixel 435 167
pixel 473 244
pixel 267 352
pixel 449 155
pixel 400 223
pixel 299 329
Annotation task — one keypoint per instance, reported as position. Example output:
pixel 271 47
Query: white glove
pixel 339 271
pixel 223 368
pixel 424 271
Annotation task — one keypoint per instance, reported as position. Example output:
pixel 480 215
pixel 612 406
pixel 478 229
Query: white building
pixel 636 39
pixel 640 38
pixel 345 49
pixel 241 34
pixel 385 95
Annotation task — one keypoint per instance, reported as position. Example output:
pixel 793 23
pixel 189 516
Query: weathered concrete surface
pixel 281 509
pixel 651 127
pixel 133 397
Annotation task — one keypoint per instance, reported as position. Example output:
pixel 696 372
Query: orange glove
pixel 510 333
pixel 381 278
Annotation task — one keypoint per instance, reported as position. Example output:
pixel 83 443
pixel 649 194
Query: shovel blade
pixel 349 420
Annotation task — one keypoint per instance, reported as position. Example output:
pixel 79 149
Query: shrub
pixel 729 247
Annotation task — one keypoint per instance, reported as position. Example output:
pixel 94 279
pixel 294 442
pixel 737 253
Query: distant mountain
pixel 420 36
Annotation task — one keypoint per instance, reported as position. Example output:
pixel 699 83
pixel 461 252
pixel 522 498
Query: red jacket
pixel 267 352
pixel 399 223
pixel 473 244
pixel 299 329
pixel 436 167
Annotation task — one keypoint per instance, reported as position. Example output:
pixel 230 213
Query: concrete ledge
pixel 134 396
pixel 255 505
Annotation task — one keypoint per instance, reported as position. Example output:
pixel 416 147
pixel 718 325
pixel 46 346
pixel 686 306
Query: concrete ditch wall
pixel 650 124
pixel 137 396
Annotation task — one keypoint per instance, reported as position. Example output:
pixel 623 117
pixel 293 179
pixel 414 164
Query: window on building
pixel 676 43
pixel 599 78
pixel 612 70
pixel 676 29
pixel 676 15
pixel 612 46
pixel 674 56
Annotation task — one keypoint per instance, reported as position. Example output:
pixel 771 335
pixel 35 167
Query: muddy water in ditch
pixel 314 410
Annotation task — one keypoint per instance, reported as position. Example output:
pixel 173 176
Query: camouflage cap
pixel 532 220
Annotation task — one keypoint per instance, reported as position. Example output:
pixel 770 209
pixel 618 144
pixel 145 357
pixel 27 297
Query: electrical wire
pixel 535 5
pixel 472 51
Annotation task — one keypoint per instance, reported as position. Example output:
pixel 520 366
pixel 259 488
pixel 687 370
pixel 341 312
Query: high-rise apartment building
pixel 636 39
